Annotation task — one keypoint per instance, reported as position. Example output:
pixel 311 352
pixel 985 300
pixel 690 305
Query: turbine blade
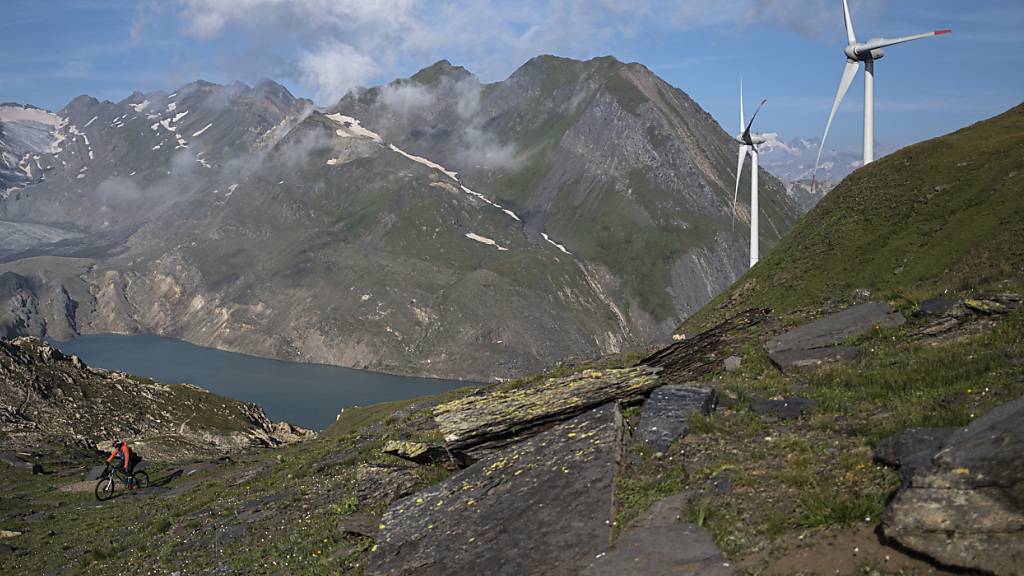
pixel 884 42
pixel 849 23
pixel 849 71
pixel 739 171
pixel 743 121
pixel 746 133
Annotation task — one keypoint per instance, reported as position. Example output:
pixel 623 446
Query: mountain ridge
pixel 476 234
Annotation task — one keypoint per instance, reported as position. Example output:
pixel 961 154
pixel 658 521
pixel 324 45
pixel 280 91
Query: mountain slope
pixel 943 215
pixel 433 226
pixel 625 170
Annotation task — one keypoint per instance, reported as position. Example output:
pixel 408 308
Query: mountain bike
pixel 114 479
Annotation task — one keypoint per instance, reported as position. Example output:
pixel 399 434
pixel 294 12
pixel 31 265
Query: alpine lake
pixel 310 395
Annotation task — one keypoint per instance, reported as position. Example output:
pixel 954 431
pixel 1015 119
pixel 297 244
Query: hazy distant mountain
pixel 793 162
pixel 432 226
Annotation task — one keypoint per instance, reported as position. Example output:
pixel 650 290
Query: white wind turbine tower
pixel 748 143
pixel 866 52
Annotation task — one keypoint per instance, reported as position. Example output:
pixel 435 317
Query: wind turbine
pixel 748 143
pixel 866 52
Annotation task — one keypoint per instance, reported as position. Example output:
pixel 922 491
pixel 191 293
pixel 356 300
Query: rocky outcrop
pixel 659 543
pixel 542 506
pixel 695 357
pixel 491 417
pixel 50 402
pixel 667 412
pixel 965 507
pixel 819 341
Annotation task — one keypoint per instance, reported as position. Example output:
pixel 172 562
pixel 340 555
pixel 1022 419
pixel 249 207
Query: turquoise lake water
pixel 309 395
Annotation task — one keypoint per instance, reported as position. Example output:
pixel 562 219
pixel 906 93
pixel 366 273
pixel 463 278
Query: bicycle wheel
pixel 105 488
pixel 141 480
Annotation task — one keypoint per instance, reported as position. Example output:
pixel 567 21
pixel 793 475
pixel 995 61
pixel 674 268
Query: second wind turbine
pixel 749 143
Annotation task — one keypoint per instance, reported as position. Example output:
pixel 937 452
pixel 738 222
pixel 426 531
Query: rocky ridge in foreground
pixel 50 403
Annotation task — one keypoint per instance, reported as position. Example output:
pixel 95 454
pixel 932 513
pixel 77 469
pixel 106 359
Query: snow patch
pixel 555 244
pixel 352 128
pixel 157 147
pixel 172 106
pixel 421 160
pixel 204 129
pixel 140 106
pixel 485 240
pixel 90 121
pixel 179 116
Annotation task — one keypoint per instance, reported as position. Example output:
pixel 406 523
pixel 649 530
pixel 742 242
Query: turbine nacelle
pixel 864 52
pixel 750 139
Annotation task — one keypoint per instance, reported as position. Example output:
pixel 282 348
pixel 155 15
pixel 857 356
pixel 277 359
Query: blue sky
pixel 789 51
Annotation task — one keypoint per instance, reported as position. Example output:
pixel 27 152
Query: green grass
pixel 943 216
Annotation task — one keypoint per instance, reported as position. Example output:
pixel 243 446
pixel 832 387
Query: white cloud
pixel 405 98
pixel 334 69
pixel 338 44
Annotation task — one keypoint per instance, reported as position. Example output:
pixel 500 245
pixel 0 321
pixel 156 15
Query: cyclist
pixel 122 456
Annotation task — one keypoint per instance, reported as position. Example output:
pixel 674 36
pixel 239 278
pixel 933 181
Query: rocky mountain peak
pixel 440 70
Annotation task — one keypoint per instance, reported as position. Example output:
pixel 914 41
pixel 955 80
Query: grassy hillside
pixel 943 215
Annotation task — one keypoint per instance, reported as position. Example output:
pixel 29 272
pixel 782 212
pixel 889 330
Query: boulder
pixel 659 542
pixel 785 409
pixel 667 412
pixel 416 451
pixel 733 363
pixel 965 508
pixel 911 449
pixel 542 506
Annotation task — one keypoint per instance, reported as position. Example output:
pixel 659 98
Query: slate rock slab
pixel 833 329
pixel 359 524
pixel 380 485
pixel 660 543
pixel 785 409
pixel 499 414
pixel 789 359
pixel 966 507
pixel 937 306
pixel 911 449
pixel 542 506
pixel 666 414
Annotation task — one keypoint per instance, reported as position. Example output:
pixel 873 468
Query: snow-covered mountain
pixel 794 160
pixel 26 132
